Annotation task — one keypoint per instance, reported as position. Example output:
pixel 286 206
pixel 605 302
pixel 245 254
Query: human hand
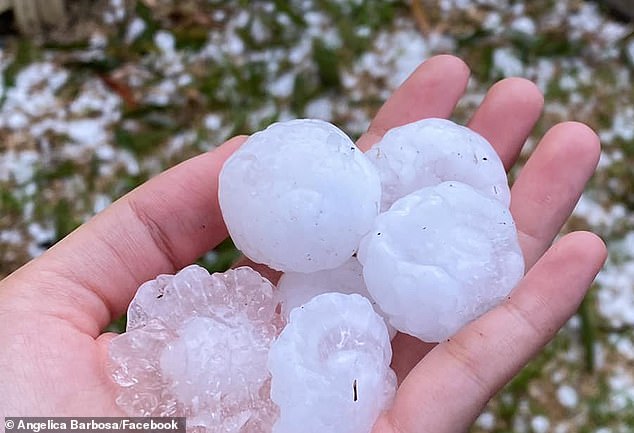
pixel 53 310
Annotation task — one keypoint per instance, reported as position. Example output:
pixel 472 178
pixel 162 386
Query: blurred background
pixel 97 96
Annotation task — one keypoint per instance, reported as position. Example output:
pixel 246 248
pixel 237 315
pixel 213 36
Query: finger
pixel 433 90
pixel 550 184
pixel 450 386
pixel 166 223
pixel 507 116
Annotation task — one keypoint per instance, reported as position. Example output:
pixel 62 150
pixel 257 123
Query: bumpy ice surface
pixel 196 345
pixel 330 367
pixel 299 196
pixel 439 258
pixel 432 151
pixel 296 289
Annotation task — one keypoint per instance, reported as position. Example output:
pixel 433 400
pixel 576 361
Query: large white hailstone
pixel 196 346
pixel 295 289
pixel 439 258
pixel 432 151
pixel 299 196
pixel 330 367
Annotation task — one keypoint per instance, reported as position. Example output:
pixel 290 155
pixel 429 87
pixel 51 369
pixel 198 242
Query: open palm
pixel 53 310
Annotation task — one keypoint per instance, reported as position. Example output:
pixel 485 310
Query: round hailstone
pixel 295 289
pixel 196 345
pixel 299 196
pixel 330 367
pixel 439 258
pixel 432 151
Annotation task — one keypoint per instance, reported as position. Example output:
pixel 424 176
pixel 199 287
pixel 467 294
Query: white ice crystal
pixel 439 258
pixel 294 289
pixel 299 196
pixel 196 345
pixel 432 151
pixel 302 198
pixel 330 367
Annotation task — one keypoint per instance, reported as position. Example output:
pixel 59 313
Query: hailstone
pixel 294 289
pixel 299 196
pixel 432 151
pixel 439 258
pixel 330 367
pixel 196 346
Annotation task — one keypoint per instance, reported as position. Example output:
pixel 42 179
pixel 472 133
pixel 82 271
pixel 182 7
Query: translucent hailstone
pixel 196 345
pixel 295 289
pixel 439 258
pixel 330 367
pixel 299 196
pixel 432 151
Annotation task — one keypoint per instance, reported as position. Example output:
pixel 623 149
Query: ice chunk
pixel 295 289
pixel 330 367
pixel 196 346
pixel 439 258
pixel 432 151
pixel 299 196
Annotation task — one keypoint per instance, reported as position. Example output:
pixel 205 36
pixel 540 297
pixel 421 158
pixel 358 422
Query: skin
pixel 53 309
